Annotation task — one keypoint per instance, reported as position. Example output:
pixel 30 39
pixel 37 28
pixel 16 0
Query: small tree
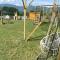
pixel 10 10
pixel 25 8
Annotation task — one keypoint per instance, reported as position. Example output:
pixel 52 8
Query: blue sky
pixel 19 2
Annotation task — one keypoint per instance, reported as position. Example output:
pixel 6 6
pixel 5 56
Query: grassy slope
pixel 12 45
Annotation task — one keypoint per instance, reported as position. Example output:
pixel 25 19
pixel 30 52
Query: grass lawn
pixel 12 45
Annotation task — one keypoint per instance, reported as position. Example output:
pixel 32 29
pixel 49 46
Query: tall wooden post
pixel 24 16
pixel 25 7
pixel 1 17
pixel 43 12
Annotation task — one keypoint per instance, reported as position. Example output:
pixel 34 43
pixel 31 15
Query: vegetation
pixel 9 10
pixel 12 45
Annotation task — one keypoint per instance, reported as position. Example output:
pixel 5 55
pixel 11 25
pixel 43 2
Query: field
pixel 12 44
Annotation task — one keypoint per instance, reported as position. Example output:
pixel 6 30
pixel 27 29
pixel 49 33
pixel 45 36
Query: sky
pixel 19 2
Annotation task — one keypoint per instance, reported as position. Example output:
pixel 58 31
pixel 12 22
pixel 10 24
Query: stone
pixel 47 46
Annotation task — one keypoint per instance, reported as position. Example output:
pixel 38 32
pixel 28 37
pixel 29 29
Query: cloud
pixel 13 2
pixel 1 0
pixel 17 4
pixel 7 0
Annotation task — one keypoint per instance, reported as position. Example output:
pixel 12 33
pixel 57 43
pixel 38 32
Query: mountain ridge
pixel 20 8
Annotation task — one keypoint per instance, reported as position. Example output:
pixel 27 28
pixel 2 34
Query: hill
pixel 20 8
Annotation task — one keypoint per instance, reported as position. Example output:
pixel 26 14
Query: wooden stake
pixel 24 16
pixel 25 7
pixel 33 31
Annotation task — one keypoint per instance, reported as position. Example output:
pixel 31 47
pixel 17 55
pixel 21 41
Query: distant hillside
pixel 20 8
pixel 34 8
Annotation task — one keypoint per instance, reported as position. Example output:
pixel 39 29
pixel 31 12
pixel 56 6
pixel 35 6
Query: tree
pixel 25 8
pixel 9 10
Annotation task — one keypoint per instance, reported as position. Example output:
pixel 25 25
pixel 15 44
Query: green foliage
pixel 12 45
pixel 9 10
pixel 20 13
